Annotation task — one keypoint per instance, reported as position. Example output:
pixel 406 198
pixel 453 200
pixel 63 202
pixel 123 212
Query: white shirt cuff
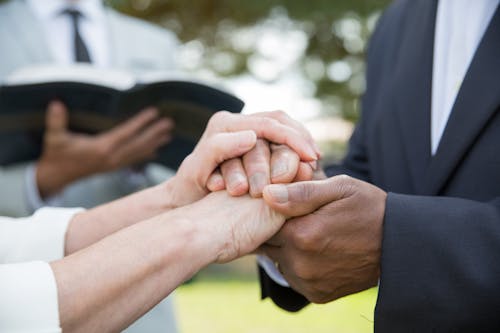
pixel 29 298
pixel 271 270
pixel 39 237
pixel 35 201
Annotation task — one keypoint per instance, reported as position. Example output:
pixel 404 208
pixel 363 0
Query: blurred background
pixel 304 57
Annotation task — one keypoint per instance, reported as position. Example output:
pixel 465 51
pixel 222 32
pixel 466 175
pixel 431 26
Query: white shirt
pixel 460 26
pixel 58 29
pixel 28 290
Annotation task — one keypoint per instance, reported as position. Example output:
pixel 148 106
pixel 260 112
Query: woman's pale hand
pixel 232 226
pixel 267 163
pixel 226 137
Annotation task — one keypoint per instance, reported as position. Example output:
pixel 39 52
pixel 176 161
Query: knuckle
pixel 288 156
pixel 218 117
pixel 304 192
pixel 302 270
pixel 268 122
pixel 103 151
pixel 237 188
pixel 280 115
pixel 274 123
pixel 343 179
pixel 259 155
pixel 112 161
pixel 306 239
pixel 346 184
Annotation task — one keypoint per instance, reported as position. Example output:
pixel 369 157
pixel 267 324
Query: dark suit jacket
pixel 440 268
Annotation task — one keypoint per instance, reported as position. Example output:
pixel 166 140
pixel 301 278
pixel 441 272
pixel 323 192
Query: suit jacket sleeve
pixel 284 297
pixel 439 268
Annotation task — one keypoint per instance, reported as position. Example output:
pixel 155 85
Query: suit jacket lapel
pixel 477 101
pixel 413 87
pixel 29 32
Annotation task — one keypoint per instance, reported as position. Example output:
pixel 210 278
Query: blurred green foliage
pixel 324 39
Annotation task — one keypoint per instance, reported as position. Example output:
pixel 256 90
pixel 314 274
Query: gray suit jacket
pixel 137 46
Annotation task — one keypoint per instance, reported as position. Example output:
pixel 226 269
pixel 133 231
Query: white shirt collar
pixel 49 9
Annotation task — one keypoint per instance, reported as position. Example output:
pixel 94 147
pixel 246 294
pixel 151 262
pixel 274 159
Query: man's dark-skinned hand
pixel 67 156
pixel 331 246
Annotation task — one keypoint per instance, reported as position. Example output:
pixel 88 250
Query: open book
pixel 99 100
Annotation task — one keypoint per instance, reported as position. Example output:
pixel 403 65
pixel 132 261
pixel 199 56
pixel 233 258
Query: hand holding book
pixel 67 156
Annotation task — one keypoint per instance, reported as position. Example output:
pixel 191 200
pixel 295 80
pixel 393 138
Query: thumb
pixel 56 119
pixel 211 152
pixel 303 198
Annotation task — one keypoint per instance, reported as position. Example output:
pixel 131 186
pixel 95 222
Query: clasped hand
pixel 330 245
pixel 230 153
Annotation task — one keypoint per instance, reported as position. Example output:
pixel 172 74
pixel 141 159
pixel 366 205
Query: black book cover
pixel 98 100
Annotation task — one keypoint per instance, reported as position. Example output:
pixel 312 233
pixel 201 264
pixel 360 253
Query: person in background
pixel 78 170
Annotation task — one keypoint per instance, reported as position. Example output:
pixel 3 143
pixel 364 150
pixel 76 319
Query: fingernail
pixel 279 168
pixel 236 180
pixel 278 192
pixel 216 181
pixel 257 182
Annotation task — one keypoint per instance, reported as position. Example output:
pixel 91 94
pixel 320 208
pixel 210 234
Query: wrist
pixel 205 242
pixel 226 233
pixel 166 195
pixel 50 179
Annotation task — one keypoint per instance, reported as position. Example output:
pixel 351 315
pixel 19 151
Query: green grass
pixel 235 307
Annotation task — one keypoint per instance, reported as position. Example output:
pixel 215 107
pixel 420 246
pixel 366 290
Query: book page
pixel 79 73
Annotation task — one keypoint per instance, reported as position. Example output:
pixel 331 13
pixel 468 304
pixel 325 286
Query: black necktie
pixel 81 51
